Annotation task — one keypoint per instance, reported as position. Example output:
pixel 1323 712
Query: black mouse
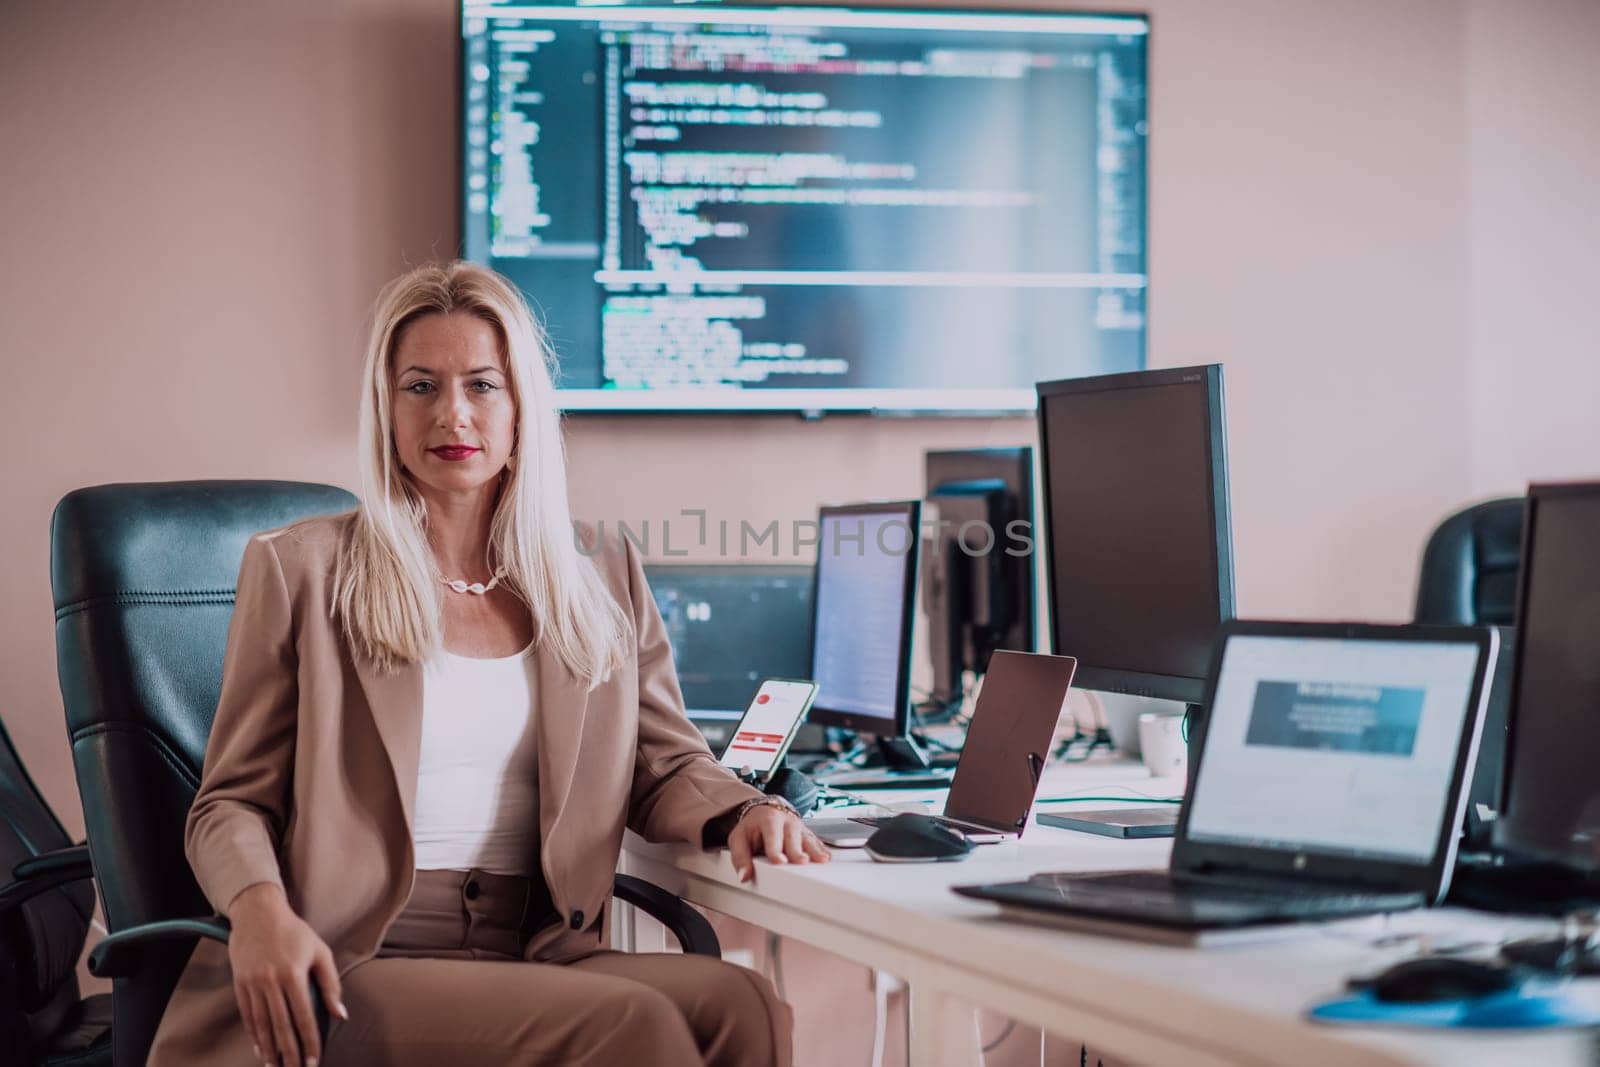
pixel 1427 979
pixel 909 838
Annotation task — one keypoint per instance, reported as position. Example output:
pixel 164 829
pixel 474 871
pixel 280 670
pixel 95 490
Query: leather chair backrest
pixel 143 577
pixel 41 941
pixel 1469 567
pixel 1469 578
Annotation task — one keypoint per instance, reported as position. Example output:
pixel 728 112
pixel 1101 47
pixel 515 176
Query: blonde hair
pixel 388 586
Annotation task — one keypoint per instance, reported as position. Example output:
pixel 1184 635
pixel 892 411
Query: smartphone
pixel 768 726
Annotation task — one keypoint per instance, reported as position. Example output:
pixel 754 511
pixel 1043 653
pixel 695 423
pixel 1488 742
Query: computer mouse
pixel 910 838
pixel 1428 979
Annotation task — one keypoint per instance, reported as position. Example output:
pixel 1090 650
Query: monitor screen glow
pixel 717 207
pixel 867 558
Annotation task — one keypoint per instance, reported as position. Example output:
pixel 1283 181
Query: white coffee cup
pixel 1161 744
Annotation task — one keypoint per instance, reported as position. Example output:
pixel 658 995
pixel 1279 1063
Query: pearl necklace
pixel 475 588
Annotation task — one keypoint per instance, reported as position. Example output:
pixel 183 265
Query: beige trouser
pixel 449 987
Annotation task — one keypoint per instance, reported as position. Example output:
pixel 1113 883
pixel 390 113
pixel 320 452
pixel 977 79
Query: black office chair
pixel 1469 578
pixel 1469 567
pixel 44 919
pixel 143 578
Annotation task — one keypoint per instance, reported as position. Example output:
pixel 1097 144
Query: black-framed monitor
pixel 864 607
pixel 726 206
pixel 1552 790
pixel 1138 540
pixel 977 565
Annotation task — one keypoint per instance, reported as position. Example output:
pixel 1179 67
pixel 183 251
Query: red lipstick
pixel 455 453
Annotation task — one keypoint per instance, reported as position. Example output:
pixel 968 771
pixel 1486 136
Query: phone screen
pixel 764 732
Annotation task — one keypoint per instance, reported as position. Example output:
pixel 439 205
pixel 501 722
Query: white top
pixel 477 771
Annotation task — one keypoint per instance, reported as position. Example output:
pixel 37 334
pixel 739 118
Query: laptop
pixel 1333 769
pixel 1001 762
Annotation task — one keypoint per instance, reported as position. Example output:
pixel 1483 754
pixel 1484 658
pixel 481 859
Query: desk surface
pixel 1150 1002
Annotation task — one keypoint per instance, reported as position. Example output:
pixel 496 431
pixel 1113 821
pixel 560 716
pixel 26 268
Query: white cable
pixel 913 806
pixel 1097 709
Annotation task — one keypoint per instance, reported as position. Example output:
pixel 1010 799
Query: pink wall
pixel 199 202
pixel 1378 215
pixel 1534 165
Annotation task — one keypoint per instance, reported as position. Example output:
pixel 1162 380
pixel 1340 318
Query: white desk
pixel 1153 1004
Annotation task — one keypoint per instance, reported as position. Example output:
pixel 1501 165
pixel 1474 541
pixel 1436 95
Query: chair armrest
pixel 42 873
pixel 691 929
pixel 121 954
pixel 74 857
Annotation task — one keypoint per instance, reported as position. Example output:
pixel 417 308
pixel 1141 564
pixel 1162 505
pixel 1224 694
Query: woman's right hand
pixel 273 951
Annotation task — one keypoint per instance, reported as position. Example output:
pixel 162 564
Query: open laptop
pixel 1332 773
pixel 1001 762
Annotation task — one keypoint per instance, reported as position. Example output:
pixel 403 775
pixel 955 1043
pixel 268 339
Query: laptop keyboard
pixel 1293 901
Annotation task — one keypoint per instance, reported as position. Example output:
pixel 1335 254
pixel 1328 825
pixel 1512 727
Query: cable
pixel 856 798
pixel 1133 794
pixel 840 761
pixel 934 742
pixel 1011 1024
pixel 1125 800
pixel 936 711
pixel 1080 746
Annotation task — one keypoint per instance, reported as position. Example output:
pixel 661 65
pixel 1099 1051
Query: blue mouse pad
pixel 1515 1010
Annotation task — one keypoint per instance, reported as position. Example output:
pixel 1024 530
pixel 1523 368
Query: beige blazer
pixel 311 772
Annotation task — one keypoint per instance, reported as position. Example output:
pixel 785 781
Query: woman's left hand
pixel 776 833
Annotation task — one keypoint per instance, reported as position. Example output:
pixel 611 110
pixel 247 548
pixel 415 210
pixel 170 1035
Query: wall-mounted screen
pixel 811 209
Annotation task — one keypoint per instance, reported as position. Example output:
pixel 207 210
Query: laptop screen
pixel 1009 739
pixel 1334 745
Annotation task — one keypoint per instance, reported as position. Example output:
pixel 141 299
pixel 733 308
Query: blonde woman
pixel 437 717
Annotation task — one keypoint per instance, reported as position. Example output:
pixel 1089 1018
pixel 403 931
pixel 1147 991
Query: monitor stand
pixel 901 754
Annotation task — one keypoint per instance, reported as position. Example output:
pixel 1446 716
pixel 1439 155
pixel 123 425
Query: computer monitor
pixel 1552 789
pixel 731 625
pixel 977 566
pixel 1137 536
pixel 864 606
pixel 755 206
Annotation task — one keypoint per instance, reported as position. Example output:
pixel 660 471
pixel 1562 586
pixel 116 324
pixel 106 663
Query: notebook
pixel 1003 758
